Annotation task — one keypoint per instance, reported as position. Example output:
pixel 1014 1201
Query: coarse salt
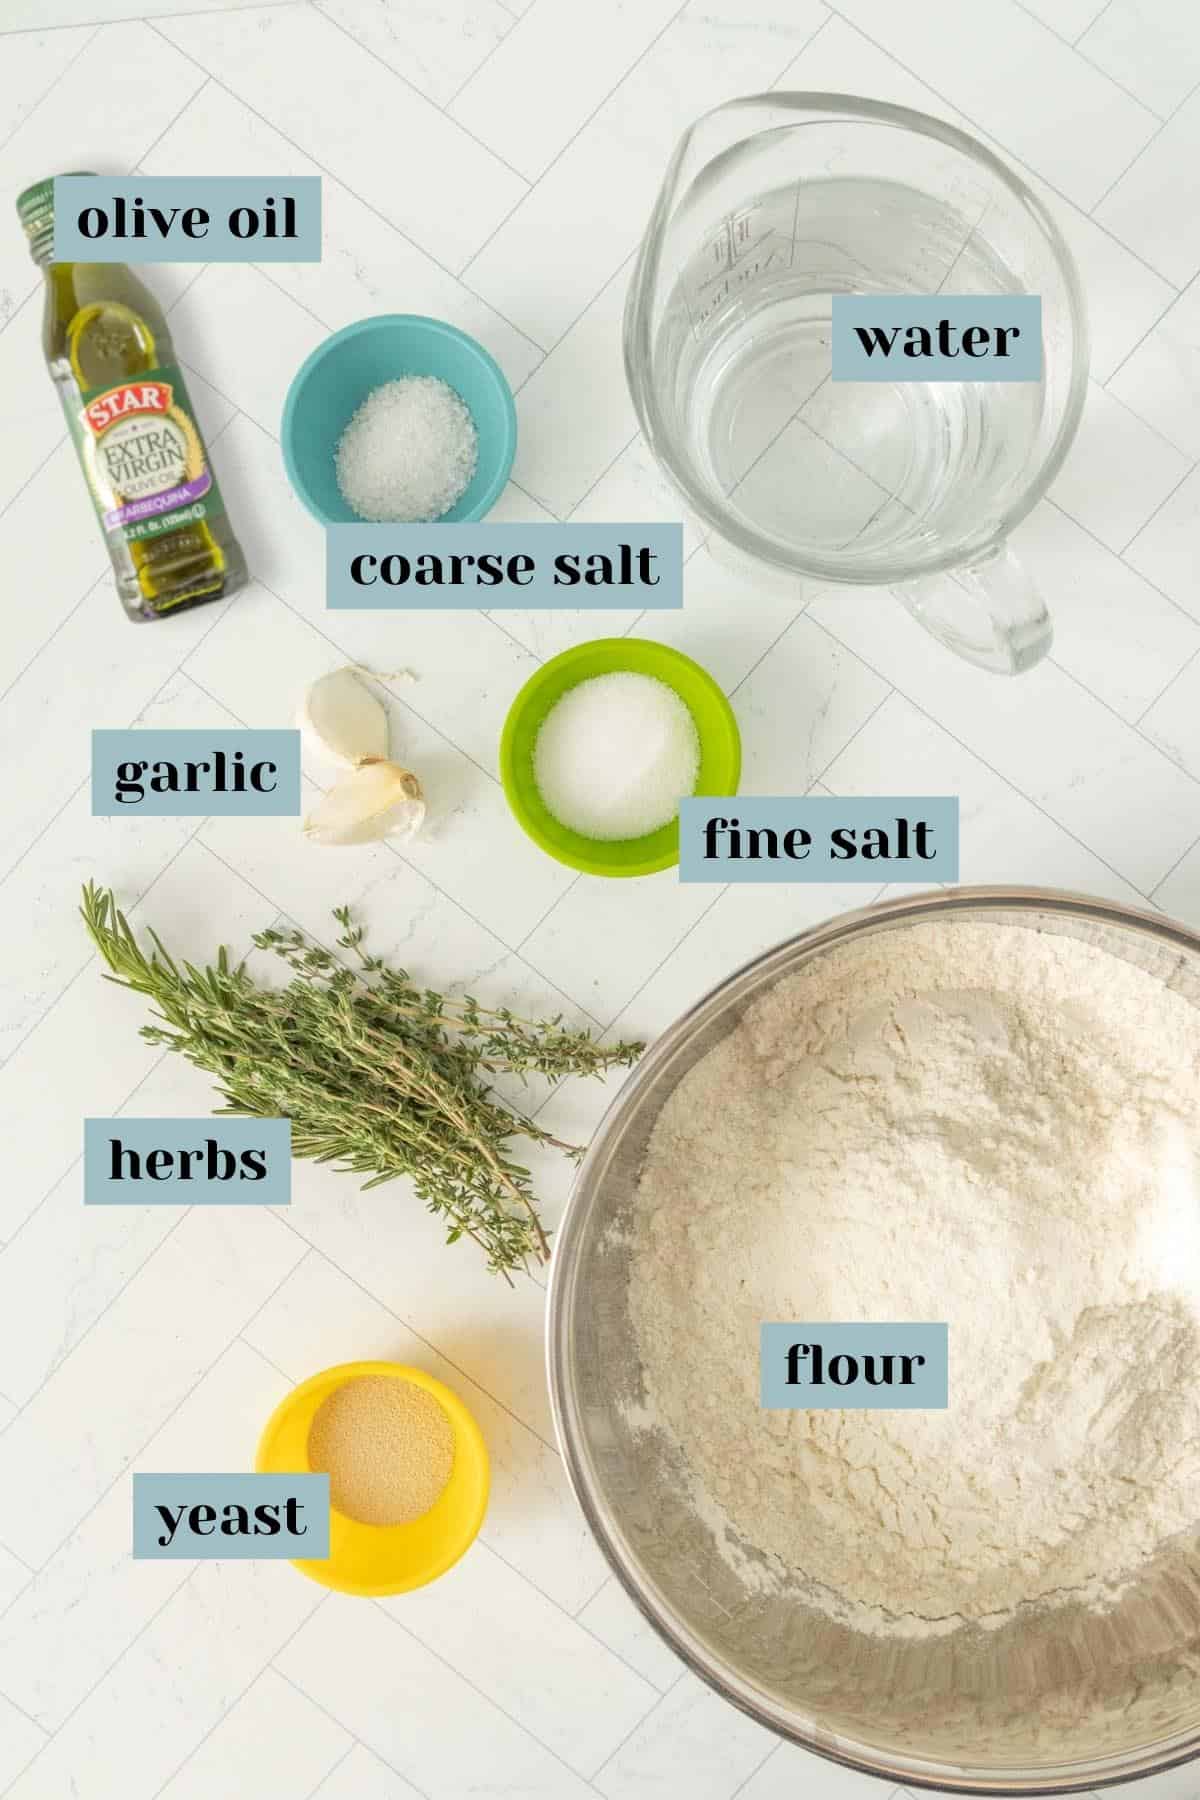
pixel 408 453
pixel 616 755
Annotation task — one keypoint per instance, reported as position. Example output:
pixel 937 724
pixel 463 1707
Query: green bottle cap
pixel 35 209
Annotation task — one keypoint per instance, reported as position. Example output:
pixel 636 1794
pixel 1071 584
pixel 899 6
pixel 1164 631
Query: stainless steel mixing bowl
pixel 1056 1703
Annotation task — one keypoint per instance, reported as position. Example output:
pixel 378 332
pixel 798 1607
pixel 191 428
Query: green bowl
pixel 716 727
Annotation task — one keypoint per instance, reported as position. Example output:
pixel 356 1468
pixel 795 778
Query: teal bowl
pixel 335 380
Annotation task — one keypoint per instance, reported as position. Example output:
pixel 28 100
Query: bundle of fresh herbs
pixel 376 1075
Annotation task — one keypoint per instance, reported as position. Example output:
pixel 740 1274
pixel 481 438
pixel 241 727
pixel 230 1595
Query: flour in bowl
pixel 978 1123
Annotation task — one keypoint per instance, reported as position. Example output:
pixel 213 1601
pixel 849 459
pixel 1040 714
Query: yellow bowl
pixel 384 1559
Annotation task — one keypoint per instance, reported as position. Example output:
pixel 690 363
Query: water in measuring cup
pixel 851 471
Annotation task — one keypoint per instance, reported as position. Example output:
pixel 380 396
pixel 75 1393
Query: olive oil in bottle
pixel 109 351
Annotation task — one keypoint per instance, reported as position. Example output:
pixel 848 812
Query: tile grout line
pixel 1181 858
pixel 666 1693
pixel 1175 295
pixel 62 73
pixel 50 1191
pixel 1146 424
pixel 759 1766
pixel 1091 63
pixel 1163 692
pixel 171 124
pixel 348 1752
pixel 142 1629
pixel 974 123
pixel 514 20
pixel 487 149
pixel 491 1701
pixel 1145 525
pixel 178 669
pixel 1150 142
pixel 125 1471
pixel 1110 709
pixel 1079 36
pixel 24 1711
pixel 58 813
pixel 188 12
pixel 369 1748
pixel 49 1376
pixel 237 1700
pixel 45 645
pixel 476 254
pixel 90 956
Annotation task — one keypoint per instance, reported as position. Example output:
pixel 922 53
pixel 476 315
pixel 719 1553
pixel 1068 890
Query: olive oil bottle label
pixel 143 455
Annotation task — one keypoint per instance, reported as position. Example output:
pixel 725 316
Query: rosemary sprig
pixel 376 1075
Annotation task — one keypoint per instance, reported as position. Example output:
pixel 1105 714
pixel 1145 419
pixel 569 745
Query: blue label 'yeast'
pixel 239 1517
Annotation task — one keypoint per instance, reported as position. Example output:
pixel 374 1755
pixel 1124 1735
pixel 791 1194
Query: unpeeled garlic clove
pixel 378 799
pixel 343 720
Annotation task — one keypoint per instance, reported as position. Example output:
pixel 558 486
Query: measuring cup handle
pixel 990 613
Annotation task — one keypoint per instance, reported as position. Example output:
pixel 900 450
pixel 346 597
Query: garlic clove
pixel 343 720
pixel 375 800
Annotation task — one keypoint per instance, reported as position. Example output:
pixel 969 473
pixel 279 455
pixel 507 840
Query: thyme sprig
pixel 378 1076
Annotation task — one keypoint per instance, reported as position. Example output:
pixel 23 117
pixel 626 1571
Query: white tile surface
pixel 1173 722
pixel 1165 549
pixel 20 1740
pixel 362 1664
pixel 363 1777
pixel 491 162
pixel 788 1771
pixel 437 45
pixel 1112 630
pixel 577 225
pixel 692 1741
pixel 527 120
pixel 88 1603
pixel 1160 379
pixel 268 1746
pixel 174 1684
pixel 612 1616
pixel 528 1656
pixel 1051 737
pixel 1118 472
pixel 358 121
pixel 205 1281
pixel 1152 207
pixel 1017 80
pixel 1151 47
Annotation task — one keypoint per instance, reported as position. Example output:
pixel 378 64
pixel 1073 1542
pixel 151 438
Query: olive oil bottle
pixel 109 351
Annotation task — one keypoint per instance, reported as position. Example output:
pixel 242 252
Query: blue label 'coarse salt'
pixel 615 756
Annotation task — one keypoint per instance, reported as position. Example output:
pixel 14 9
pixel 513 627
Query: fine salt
pixel 616 755
pixel 409 452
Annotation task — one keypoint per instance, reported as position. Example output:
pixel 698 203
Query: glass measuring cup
pixel 770 206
